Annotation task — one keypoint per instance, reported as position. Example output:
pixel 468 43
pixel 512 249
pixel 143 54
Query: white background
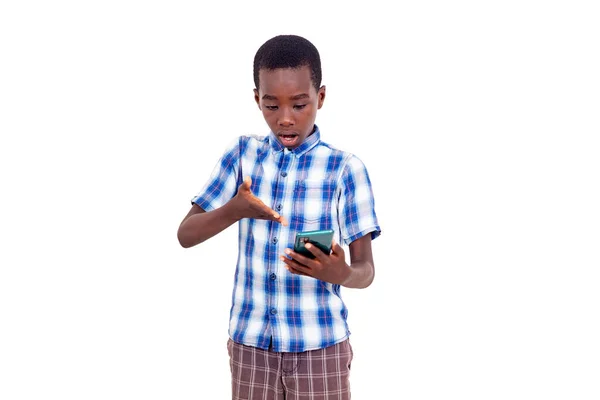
pixel 478 122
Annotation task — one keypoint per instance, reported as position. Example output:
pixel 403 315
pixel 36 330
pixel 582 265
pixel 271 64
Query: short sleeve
pixel 223 182
pixel 357 216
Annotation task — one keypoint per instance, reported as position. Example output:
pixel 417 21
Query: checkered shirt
pixel 314 186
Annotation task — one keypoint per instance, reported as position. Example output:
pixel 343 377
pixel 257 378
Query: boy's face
pixel 289 103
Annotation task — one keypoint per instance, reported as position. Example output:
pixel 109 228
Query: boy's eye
pixel 299 106
pixel 272 108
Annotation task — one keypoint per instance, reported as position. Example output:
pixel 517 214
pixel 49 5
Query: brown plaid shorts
pixel 258 374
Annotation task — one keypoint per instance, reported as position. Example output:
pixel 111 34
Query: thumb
pixel 247 184
pixel 336 248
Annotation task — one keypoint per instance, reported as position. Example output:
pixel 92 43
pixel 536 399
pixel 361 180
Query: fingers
pixel 295 267
pixel 320 257
pixel 260 209
pixel 269 214
pixel 272 215
pixel 296 272
pixel 292 270
pixel 275 216
pixel 265 212
pixel 316 251
pixel 305 261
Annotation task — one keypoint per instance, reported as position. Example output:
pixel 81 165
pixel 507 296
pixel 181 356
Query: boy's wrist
pixel 358 276
pixel 232 211
pixel 348 278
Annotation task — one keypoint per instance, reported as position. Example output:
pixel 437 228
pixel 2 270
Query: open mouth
pixel 288 139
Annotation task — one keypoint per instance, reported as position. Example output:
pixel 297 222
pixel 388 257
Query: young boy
pixel 288 329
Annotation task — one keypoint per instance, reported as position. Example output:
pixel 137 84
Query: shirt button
pixel 273 311
pixel 279 207
pixel 273 277
pixel 284 174
pixel 274 240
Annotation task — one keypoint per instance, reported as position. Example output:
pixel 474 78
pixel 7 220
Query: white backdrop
pixel 479 125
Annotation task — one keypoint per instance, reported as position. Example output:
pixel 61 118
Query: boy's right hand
pixel 247 205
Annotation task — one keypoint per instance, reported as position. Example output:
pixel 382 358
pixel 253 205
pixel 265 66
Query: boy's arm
pixel 362 267
pixel 333 268
pixel 199 225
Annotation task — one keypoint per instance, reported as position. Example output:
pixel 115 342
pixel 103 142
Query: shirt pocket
pixel 313 202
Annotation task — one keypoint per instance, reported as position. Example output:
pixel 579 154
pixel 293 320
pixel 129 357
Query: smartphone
pixel 321 238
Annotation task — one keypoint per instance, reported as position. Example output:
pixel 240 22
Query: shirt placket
pixel 283 165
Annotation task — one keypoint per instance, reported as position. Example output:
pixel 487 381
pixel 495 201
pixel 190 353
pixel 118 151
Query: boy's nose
pixel 286 119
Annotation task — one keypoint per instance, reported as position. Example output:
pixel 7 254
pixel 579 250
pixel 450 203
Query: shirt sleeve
pixel 223 182
pixel 357 216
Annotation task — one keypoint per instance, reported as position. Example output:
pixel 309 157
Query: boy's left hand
pixel 329 268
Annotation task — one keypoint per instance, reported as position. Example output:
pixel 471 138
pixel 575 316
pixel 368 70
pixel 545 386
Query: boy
pixel 288 329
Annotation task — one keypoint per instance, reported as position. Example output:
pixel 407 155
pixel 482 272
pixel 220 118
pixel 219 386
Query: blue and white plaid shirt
pixel 314 186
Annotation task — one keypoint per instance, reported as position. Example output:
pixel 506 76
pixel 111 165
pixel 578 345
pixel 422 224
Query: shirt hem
pixel 374 230
pixel 254 344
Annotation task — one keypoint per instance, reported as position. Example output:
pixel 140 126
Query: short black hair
pixel 288 51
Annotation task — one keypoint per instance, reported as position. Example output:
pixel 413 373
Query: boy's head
pixel 287 74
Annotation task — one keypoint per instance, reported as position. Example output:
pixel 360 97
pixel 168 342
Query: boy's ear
pixel 321 96
pixel 256 98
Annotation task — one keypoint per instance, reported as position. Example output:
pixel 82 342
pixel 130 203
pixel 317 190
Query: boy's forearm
pixel 361 275
pixel 202 226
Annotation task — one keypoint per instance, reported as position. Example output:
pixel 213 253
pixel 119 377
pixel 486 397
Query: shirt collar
pixel 310 142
